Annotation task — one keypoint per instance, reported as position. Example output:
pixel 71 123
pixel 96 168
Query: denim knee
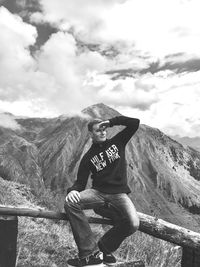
pixel 131 226
pixel 69 206
pixel 134 226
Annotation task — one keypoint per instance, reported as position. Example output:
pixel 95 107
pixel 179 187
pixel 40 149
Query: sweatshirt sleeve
pixel 131 124
pixel 82 176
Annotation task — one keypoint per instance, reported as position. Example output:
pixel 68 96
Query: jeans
pixel 117 207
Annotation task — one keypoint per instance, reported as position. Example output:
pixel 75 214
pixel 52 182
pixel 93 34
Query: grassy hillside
pixel 49 243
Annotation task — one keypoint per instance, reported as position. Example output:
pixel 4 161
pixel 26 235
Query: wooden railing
pixel 187 239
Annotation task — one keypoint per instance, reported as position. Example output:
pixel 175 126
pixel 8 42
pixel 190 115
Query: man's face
pixel 98 134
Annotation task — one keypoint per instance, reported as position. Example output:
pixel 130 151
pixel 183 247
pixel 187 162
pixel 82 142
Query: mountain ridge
pixel 193 142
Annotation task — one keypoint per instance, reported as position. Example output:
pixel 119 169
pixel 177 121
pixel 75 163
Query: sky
pixel 140 57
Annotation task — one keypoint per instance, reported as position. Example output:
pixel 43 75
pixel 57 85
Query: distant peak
pixel 98 105
pixel 100 110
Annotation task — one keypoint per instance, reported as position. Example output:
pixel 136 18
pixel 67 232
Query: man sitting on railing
pixel 105 161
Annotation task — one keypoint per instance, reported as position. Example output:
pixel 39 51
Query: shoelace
pixel 98 254
pixel 87 259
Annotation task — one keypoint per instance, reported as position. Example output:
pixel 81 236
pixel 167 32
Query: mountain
pixel 188 141
pixel 163 174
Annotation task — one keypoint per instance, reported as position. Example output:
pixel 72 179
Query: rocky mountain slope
pixel 164 175
pixel 188 141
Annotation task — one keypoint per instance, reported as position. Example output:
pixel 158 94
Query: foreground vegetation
pixel 49 243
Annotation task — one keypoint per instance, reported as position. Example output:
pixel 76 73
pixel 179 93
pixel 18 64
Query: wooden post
pixel 8 240
pixel 190 257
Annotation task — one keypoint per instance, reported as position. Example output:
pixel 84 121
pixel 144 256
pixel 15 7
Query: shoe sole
pixel 112 264
pixel 94 265
pixel 123 264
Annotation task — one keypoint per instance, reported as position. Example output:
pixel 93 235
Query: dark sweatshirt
pixel 106 161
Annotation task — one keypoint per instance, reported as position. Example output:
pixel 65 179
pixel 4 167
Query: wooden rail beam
pixel 169 232
pixel 148 224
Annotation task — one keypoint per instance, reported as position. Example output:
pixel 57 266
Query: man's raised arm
pixel 132 124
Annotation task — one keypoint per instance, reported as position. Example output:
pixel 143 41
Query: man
pixel 105 161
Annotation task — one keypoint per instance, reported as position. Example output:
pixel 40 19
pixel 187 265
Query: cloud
pixel 143 23
pixel 132 92
pixel 177 110
pixel 57 77
pixel 140 40
pixel 60 59
pixel 16 37
pixel 190 65
pixel 8 121
pixel 53 79
pixel 67 13
pixel 141 57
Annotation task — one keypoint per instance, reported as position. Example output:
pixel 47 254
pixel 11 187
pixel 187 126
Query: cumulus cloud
pixel 132 92
pixel 77 13
pixel 178 105
pixel 16 37
pixel 155 27
pixel 8 121
pixel 60 59
pixel 53 79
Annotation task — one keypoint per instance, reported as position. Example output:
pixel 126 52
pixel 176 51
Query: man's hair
pixel 92 123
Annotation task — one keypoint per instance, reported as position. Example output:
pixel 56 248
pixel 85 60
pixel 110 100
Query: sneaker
pixel 109 259
pixel 93 260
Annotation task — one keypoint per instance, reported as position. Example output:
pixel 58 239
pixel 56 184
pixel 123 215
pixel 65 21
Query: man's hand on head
pixel 73 196
pixel 104 124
